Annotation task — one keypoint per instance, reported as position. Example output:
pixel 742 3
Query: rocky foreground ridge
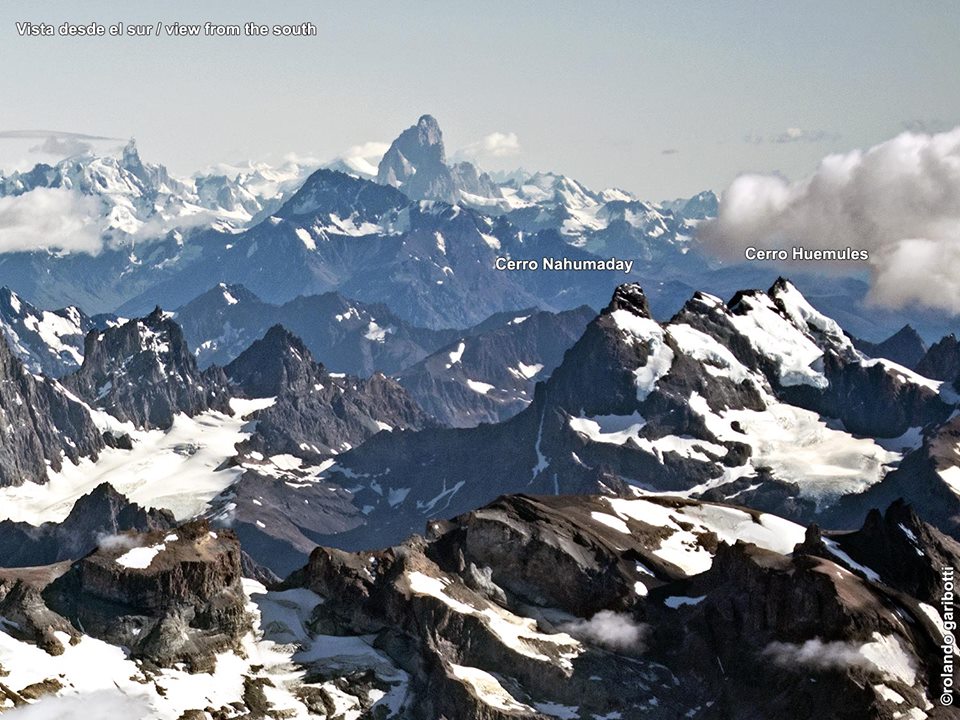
pixel 531 607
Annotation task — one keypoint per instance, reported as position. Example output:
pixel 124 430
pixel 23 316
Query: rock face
pixel 102 512
pixel 416 163
pixel 41 425
pixel 538 607
pixel 143 372
pixel 531 607
pixel 904 550
pixel 29 619
pixel 316 414
pixel 169 596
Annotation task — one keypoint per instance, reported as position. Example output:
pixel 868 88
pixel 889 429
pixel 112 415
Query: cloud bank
pixel 493 146
pixel 899 200
pixel 50 219
pixel 56 143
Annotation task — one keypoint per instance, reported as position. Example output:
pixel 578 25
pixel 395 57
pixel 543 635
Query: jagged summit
pixel 629 297
pixel 143 371
pixel 278 362
pixel 416 162
pixel 942 360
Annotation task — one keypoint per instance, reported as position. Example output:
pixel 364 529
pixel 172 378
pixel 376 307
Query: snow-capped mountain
pixel 631 577
pixel 141 201
pixel 48 342
pixel 610 221
pixel 253 226
pixel 433 264
pixel 762 401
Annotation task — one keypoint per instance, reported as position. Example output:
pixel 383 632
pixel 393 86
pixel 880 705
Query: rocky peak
pixel 905 347
pixel 328 192
pixel 905 551
pixel 416 163
pixel 629 297
pixel 701 206
pixel 279 362
pixel 130 157
pixel 470 179
pixel 101 512
pixel 143 372
pixel 105 510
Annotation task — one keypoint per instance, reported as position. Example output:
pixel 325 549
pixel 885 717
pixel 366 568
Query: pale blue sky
pixel 596 90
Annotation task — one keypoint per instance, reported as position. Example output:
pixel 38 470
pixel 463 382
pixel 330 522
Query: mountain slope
pixel 41 425
pixel 489 374
pixel 530 607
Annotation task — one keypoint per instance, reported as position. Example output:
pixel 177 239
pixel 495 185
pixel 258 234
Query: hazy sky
pixel 661 98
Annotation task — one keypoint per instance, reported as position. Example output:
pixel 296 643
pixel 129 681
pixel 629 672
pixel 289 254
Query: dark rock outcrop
pixel 538 607
pixel 942 360
pixel 170 596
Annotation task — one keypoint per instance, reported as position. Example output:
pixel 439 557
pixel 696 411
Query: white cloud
pixel 50 219
pixel 62 146
pixel 792 135
pixel 817 654
pixel 362 159
pixel 494 145
pixel 899 200
pixel 615 631
pixel 100 705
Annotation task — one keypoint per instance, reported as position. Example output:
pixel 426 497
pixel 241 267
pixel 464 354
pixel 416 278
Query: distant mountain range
pixel 287 442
